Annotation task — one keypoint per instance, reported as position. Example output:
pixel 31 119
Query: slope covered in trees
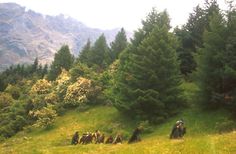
pixel 146 79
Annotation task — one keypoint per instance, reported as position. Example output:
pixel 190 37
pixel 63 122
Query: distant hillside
pixel 26 34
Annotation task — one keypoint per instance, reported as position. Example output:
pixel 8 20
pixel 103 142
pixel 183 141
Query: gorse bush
pixel 42 86
pixel 5 100
pixel 77 92
pixel 51 98
pixel 61 84
pixel 45 116
pixel 63 78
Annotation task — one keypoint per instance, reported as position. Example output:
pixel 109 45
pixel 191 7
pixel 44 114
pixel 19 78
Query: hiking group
pixel 97 137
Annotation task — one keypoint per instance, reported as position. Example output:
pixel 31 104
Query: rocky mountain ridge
pixel 26 35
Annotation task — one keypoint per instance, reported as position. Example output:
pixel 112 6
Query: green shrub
pixel 5 100
pixel 2 138
pixel 226 126
pixel 14 91
pixel 82 108
pixel 45 116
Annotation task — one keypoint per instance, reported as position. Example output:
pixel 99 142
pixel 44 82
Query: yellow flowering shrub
pixel 77 92
pixel 63 78
pixel 5 100
pixel 45 116
pixel 42 86
pixel 51 98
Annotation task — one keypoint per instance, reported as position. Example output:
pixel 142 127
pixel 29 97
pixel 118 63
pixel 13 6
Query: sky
pixel 110 14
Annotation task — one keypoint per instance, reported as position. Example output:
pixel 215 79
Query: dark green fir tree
pixel 147 79
pixel 62 59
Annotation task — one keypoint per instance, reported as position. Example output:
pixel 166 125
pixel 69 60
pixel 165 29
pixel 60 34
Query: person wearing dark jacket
pixel 135 136
pixel 75 138
pixel 178 130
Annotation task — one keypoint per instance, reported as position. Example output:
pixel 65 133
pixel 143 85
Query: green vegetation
pixel 119 44
pixel 216 62
pixel 146 82
pixel 15 74
pixel 202 136
pixel 156 79
pixel 98 55
pixel 191 35
pixel 63 59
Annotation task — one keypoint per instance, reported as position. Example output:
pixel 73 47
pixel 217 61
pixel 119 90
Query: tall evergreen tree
pixel 230 61
pixel 62 59
pixel 45 69
pixel 148 78
pixel 211 61
pixel 85 53
pixel 191 34
pixel 35 65
pixel 119 44
pixel 100 53
pixel 185 51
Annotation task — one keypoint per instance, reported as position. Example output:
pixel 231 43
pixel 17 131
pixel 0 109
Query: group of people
pixel 97 137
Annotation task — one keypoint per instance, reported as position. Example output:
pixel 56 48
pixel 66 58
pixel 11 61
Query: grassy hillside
pixel 201 137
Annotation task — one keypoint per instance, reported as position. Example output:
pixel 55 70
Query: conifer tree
pixel 62 59
pixel 230 62
pixel 191 35
pixel 85 53
pixel 211 61
pixel 100 53
pixel 35 65
pixel 119 44
pixel 45 69
pixel 147 79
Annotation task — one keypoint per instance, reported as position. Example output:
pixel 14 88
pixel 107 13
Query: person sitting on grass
pixel 97 134
pixel 101 139
pixel 136 135
pixel 75 138
pixel 109 140
pixel 178 130
pixel 118 139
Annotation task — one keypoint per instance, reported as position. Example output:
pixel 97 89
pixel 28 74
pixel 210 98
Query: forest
pixel 143 78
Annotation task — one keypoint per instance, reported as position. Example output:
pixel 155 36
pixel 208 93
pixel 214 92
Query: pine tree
pixel 99 54
pixel 85 53
pixel 35 65
pixel 62 59
pixel 230 61
pixel 119 44
pixel 185 51
pixel 191 34
pixel 45 69
pixel 211 61
pixel 148 78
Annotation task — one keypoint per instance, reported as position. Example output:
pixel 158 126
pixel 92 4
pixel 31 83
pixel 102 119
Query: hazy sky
pixel 109 14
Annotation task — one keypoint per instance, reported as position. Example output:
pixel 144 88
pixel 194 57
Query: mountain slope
pixel 202 135
pixel 26 35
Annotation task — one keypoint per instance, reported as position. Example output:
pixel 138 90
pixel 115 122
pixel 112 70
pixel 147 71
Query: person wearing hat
pixel 178 129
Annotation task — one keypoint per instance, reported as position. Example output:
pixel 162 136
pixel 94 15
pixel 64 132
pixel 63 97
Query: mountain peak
pixel 26 34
